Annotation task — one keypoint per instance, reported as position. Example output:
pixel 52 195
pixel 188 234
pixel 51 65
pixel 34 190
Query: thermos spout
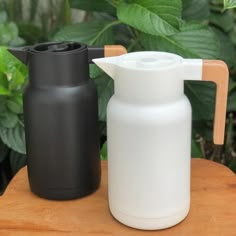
pixel 20 53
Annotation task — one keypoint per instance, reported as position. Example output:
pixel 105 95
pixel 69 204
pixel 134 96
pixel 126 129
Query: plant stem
pixel 21 123
pixel 114 3
pixel 113 23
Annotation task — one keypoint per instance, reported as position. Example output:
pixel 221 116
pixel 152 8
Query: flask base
pixel 63 194
pixel 150 223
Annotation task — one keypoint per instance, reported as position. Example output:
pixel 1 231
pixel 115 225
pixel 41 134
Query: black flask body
pixel 61 123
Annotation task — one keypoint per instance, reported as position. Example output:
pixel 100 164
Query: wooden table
pixel 213 208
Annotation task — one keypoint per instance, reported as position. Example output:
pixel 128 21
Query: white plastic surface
pixel 149 138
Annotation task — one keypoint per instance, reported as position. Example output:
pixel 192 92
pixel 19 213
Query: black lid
pixel 61 64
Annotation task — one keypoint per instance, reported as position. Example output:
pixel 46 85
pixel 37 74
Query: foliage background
pixel 191 28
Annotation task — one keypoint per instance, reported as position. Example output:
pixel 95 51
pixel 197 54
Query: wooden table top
pixel 212 213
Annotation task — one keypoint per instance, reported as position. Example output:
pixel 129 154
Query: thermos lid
pixel 145 65
pixel 149 60
pixel 60 47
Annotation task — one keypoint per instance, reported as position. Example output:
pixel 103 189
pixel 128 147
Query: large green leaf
pixel 4 91
pixel 193 41
pixel 224 21
pixel 227 52
pixel 231 102
pixel 91 5
pixel 204 128
pixel 14 138
pixel 30 32
pixel 150 16
pixel 8 120
pixel 195 9
pixel 105 87
pixel 14 106
pixel 202 98
pixel 229 4
pixel 8 32
pixel 169 11
pixel 92 33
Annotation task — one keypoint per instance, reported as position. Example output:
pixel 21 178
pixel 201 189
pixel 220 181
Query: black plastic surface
pixel 61 122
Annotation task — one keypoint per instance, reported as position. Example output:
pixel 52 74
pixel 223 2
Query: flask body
pixel 149 149
pixel 61 124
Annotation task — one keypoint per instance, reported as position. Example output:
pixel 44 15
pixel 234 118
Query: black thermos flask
pixel 61 118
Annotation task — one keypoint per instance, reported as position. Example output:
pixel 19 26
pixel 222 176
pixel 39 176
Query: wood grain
pixel 213 208
pixel 217 71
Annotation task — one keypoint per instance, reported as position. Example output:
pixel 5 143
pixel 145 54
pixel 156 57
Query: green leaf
pixel 105 87
pixel 91 5
pixel 196 149
pixel 8 32
pixel 14 107
pixel 193 41
pixel 231 102
pixel 91 33
pixel 11 67
pixel 94 71
pixel 3 17
pixel 202 98
pixel 4 85
pixel 14 71
pixel 169 11
pixel 226 48
pixel 4 91
pixel 16 42
pixel 14 138
pixel 224 21
pixel 204 128
pixel 103 152
pixel 31 33
pixel 195 9
pixel 8 120
pixel 143 16
pixel 229 4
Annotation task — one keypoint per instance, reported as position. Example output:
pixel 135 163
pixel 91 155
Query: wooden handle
pixel 217 72
pixel 114 50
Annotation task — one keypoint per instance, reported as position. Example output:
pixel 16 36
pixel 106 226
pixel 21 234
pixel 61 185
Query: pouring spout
pixel 108 65
pixel 20 53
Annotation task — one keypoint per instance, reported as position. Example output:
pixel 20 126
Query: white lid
pixel 149 60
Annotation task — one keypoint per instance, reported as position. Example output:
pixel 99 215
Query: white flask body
pixel 149 148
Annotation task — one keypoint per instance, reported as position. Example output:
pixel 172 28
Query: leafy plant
pixel 229 4
pixel 9 32
pixel 12 79
pixel 190 28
